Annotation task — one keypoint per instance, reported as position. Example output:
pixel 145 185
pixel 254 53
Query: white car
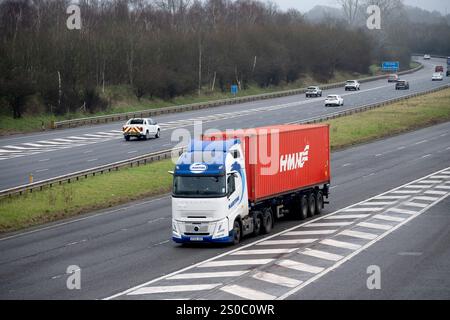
pixel 313 92
pixel 141 128
pixel 334 100
pixel 426 57
pixel 352 85
pixel 439 76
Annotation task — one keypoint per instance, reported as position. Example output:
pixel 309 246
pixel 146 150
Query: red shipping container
pixel 282 158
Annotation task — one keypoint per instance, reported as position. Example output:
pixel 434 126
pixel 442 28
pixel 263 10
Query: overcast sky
pixel 442 6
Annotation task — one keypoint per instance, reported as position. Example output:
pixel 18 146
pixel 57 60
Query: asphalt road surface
pixel 54 153
pixel 122 250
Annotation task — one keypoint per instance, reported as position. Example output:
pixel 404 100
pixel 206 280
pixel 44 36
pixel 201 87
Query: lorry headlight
pixel 221 229
pixel 175 230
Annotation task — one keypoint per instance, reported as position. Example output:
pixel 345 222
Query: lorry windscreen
pixel 199 186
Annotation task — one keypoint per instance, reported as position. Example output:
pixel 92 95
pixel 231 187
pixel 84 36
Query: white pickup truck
pixel 141 128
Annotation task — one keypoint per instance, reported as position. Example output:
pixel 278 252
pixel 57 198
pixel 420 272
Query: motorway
pixel 50 154
pixel 126 252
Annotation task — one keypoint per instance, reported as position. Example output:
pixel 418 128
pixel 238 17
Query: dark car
pixel 448 73
pixel 402 84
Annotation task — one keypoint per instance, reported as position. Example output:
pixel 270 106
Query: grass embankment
pixel 138 182
pixel 123 100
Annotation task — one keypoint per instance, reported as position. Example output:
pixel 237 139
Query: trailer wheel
pixel 267 221
pixel 303 208
pixel 237 232
pixel 127 138
pixel 319 202
pixel 257 224
pixel 311 204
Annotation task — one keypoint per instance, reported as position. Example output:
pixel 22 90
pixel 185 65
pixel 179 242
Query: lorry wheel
pixel 311 204
pixel 257 224
pixel 303 214
pixel 267 221
pixel 157 134
pixel 237 232
pixel 147 135
pixel 319 202
pixel 127 138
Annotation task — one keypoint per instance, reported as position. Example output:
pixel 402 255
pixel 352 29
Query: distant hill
pixel 414 14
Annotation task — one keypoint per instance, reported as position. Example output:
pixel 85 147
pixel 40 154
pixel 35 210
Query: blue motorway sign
pixel 390 65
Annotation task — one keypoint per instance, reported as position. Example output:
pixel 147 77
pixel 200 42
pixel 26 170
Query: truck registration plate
pixel 196 238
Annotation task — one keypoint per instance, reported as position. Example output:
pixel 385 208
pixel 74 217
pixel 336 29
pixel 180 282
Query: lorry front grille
pixel 197 234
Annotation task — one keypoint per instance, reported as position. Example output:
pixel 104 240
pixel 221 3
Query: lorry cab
pixel 209 192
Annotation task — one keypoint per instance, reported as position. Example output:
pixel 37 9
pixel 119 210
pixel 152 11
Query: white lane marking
pixel 414 204
pixel 391 197
pixel 369 175
pixel 443 187
pixel 426 198
pixel 226 263
pixel 363 209
pixel 179 288
pixel 388 218
pixel 201 275
pixel 247 293
pixel 35 145
pixel 379 203
pixel 288 241
pixel 346 164
pixel 347 258
pixel 439 193
pixel 309 233
pixel 90 160
pixel 299 266
pixel 93 135
pixel 82 138
pixel 133 151
pixel 322 255
pixel 415 186
pixel 276 279
pixel 440 177
pixel 420 142
pixel 358 234
pixel 401 148
pixel 347 216
pixel 378 155
pixel 340 244
pixel 328 224
pixel 41 170
pixel 9 151
pixel 406 191
pixel 20 148
pixel 430 181
pixel 398 210
pixel 374 226
pixel 263 251
pixel 426 156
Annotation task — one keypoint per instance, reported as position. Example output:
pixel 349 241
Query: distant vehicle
pixel 439 69
pixel 352 85
pixel 402 84
pixel 334 100
pixel 141 128
pixel 393 78
pixel 313 92
pixel 448 61
pixel 437 76
pixel 448 73
pixel 426 57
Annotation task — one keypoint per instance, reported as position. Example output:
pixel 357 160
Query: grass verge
pixel 134 183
